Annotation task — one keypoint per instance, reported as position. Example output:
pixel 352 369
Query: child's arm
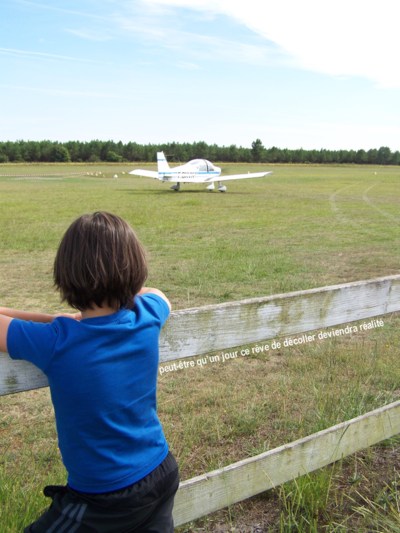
pixel 26 315
pixel 7 314
pixel 4 323
pixel 146 290
pixel 36 317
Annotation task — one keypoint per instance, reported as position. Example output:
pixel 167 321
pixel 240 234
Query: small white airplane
pixel 196 171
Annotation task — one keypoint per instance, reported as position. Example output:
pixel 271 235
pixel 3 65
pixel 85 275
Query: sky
pixel 312 74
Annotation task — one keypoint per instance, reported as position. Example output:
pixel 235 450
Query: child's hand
pixel 74 316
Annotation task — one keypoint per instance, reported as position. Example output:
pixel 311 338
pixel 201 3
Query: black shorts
pixel 145 506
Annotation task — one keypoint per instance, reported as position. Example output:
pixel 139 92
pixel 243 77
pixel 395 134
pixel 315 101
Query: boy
pixel 101 365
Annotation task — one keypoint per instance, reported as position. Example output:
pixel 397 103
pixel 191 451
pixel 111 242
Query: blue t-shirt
pixel 102 374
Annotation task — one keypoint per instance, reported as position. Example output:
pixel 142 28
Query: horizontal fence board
pixel 211 328
pixel 217 327
pixel 220 488
pixel 18 376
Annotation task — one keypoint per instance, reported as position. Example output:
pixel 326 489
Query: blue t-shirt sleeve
pixel 155 305
pixel 32 341
pixel 35 341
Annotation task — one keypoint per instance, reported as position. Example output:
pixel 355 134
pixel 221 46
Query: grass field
pixel 302 227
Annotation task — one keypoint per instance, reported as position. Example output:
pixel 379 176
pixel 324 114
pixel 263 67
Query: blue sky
pixel 295 74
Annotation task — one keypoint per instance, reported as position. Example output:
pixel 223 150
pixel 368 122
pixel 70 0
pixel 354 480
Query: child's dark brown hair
pixel 99 261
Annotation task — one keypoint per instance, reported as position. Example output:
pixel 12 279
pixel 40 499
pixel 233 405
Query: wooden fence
pixel 198 331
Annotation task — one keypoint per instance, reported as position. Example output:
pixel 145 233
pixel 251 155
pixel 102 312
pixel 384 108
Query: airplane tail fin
pixel 162 163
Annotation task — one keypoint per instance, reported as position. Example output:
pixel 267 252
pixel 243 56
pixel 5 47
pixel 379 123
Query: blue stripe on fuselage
pixel 187 174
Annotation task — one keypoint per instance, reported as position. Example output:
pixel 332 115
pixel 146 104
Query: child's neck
pixel 96 311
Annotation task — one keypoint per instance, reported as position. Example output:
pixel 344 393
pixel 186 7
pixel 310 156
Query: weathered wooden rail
pixel 211 328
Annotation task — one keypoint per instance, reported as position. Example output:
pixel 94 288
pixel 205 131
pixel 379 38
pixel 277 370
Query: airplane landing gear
pixel 176 187
pixel 221 188
pixel 210 187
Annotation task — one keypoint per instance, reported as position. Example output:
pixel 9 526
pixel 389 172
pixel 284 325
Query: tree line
pixel 113 152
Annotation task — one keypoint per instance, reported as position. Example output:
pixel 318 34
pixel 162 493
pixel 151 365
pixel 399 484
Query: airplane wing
pixel 242 176
pixel 145 173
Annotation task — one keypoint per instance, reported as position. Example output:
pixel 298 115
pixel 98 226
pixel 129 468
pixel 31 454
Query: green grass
pixel 305 500
pixel 382 513
pixel 302 227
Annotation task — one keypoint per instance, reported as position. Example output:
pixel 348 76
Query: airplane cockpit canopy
pixel 202 165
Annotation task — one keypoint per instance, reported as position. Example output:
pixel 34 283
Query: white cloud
pixel 51 91
pixel 42 55
pixel 185 65
pixel 157 22
pixel 201 46
pixel 89 34
pixel 341 38
pixel 94 14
